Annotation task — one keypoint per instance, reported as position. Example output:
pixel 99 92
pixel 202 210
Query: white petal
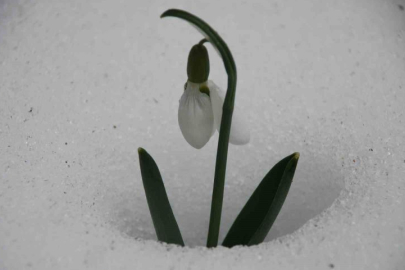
pixel 240 133
pixel 195 116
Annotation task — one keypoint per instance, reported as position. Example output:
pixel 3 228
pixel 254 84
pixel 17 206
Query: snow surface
pixel 84 83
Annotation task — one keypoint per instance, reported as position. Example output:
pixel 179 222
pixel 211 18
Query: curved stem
pixel 223 141
pixel 203 41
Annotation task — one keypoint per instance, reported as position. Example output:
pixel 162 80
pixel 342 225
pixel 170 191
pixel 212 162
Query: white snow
pixel 83 84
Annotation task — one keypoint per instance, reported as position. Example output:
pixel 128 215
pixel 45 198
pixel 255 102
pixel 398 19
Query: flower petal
pixel 240 133
pixel 195 116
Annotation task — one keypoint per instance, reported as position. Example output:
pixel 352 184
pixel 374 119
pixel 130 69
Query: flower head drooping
pixel 200 108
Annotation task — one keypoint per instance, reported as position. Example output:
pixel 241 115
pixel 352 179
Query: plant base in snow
pixel 204 108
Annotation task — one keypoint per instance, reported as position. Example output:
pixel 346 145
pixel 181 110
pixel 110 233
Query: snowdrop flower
pixel 200 108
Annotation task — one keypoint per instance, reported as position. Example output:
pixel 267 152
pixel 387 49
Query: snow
pixel 83 84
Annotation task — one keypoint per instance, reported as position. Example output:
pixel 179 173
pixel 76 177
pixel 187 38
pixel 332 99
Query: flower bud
pixel 198 66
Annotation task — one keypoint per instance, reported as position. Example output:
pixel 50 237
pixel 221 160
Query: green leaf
pixel 163 219
pixel 227 110
pixel 258 215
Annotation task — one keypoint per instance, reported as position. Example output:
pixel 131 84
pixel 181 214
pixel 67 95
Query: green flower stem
pixel 220 166
pixel 203 41
pixel 222 153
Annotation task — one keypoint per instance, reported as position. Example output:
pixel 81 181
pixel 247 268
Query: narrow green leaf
pixel 258 215
pixel 227 110
pixel 163 219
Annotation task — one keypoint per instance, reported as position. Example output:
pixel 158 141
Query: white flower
pixel 200 114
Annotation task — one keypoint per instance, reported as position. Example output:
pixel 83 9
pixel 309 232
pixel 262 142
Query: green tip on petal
pixel 141 150
pixel 205 90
